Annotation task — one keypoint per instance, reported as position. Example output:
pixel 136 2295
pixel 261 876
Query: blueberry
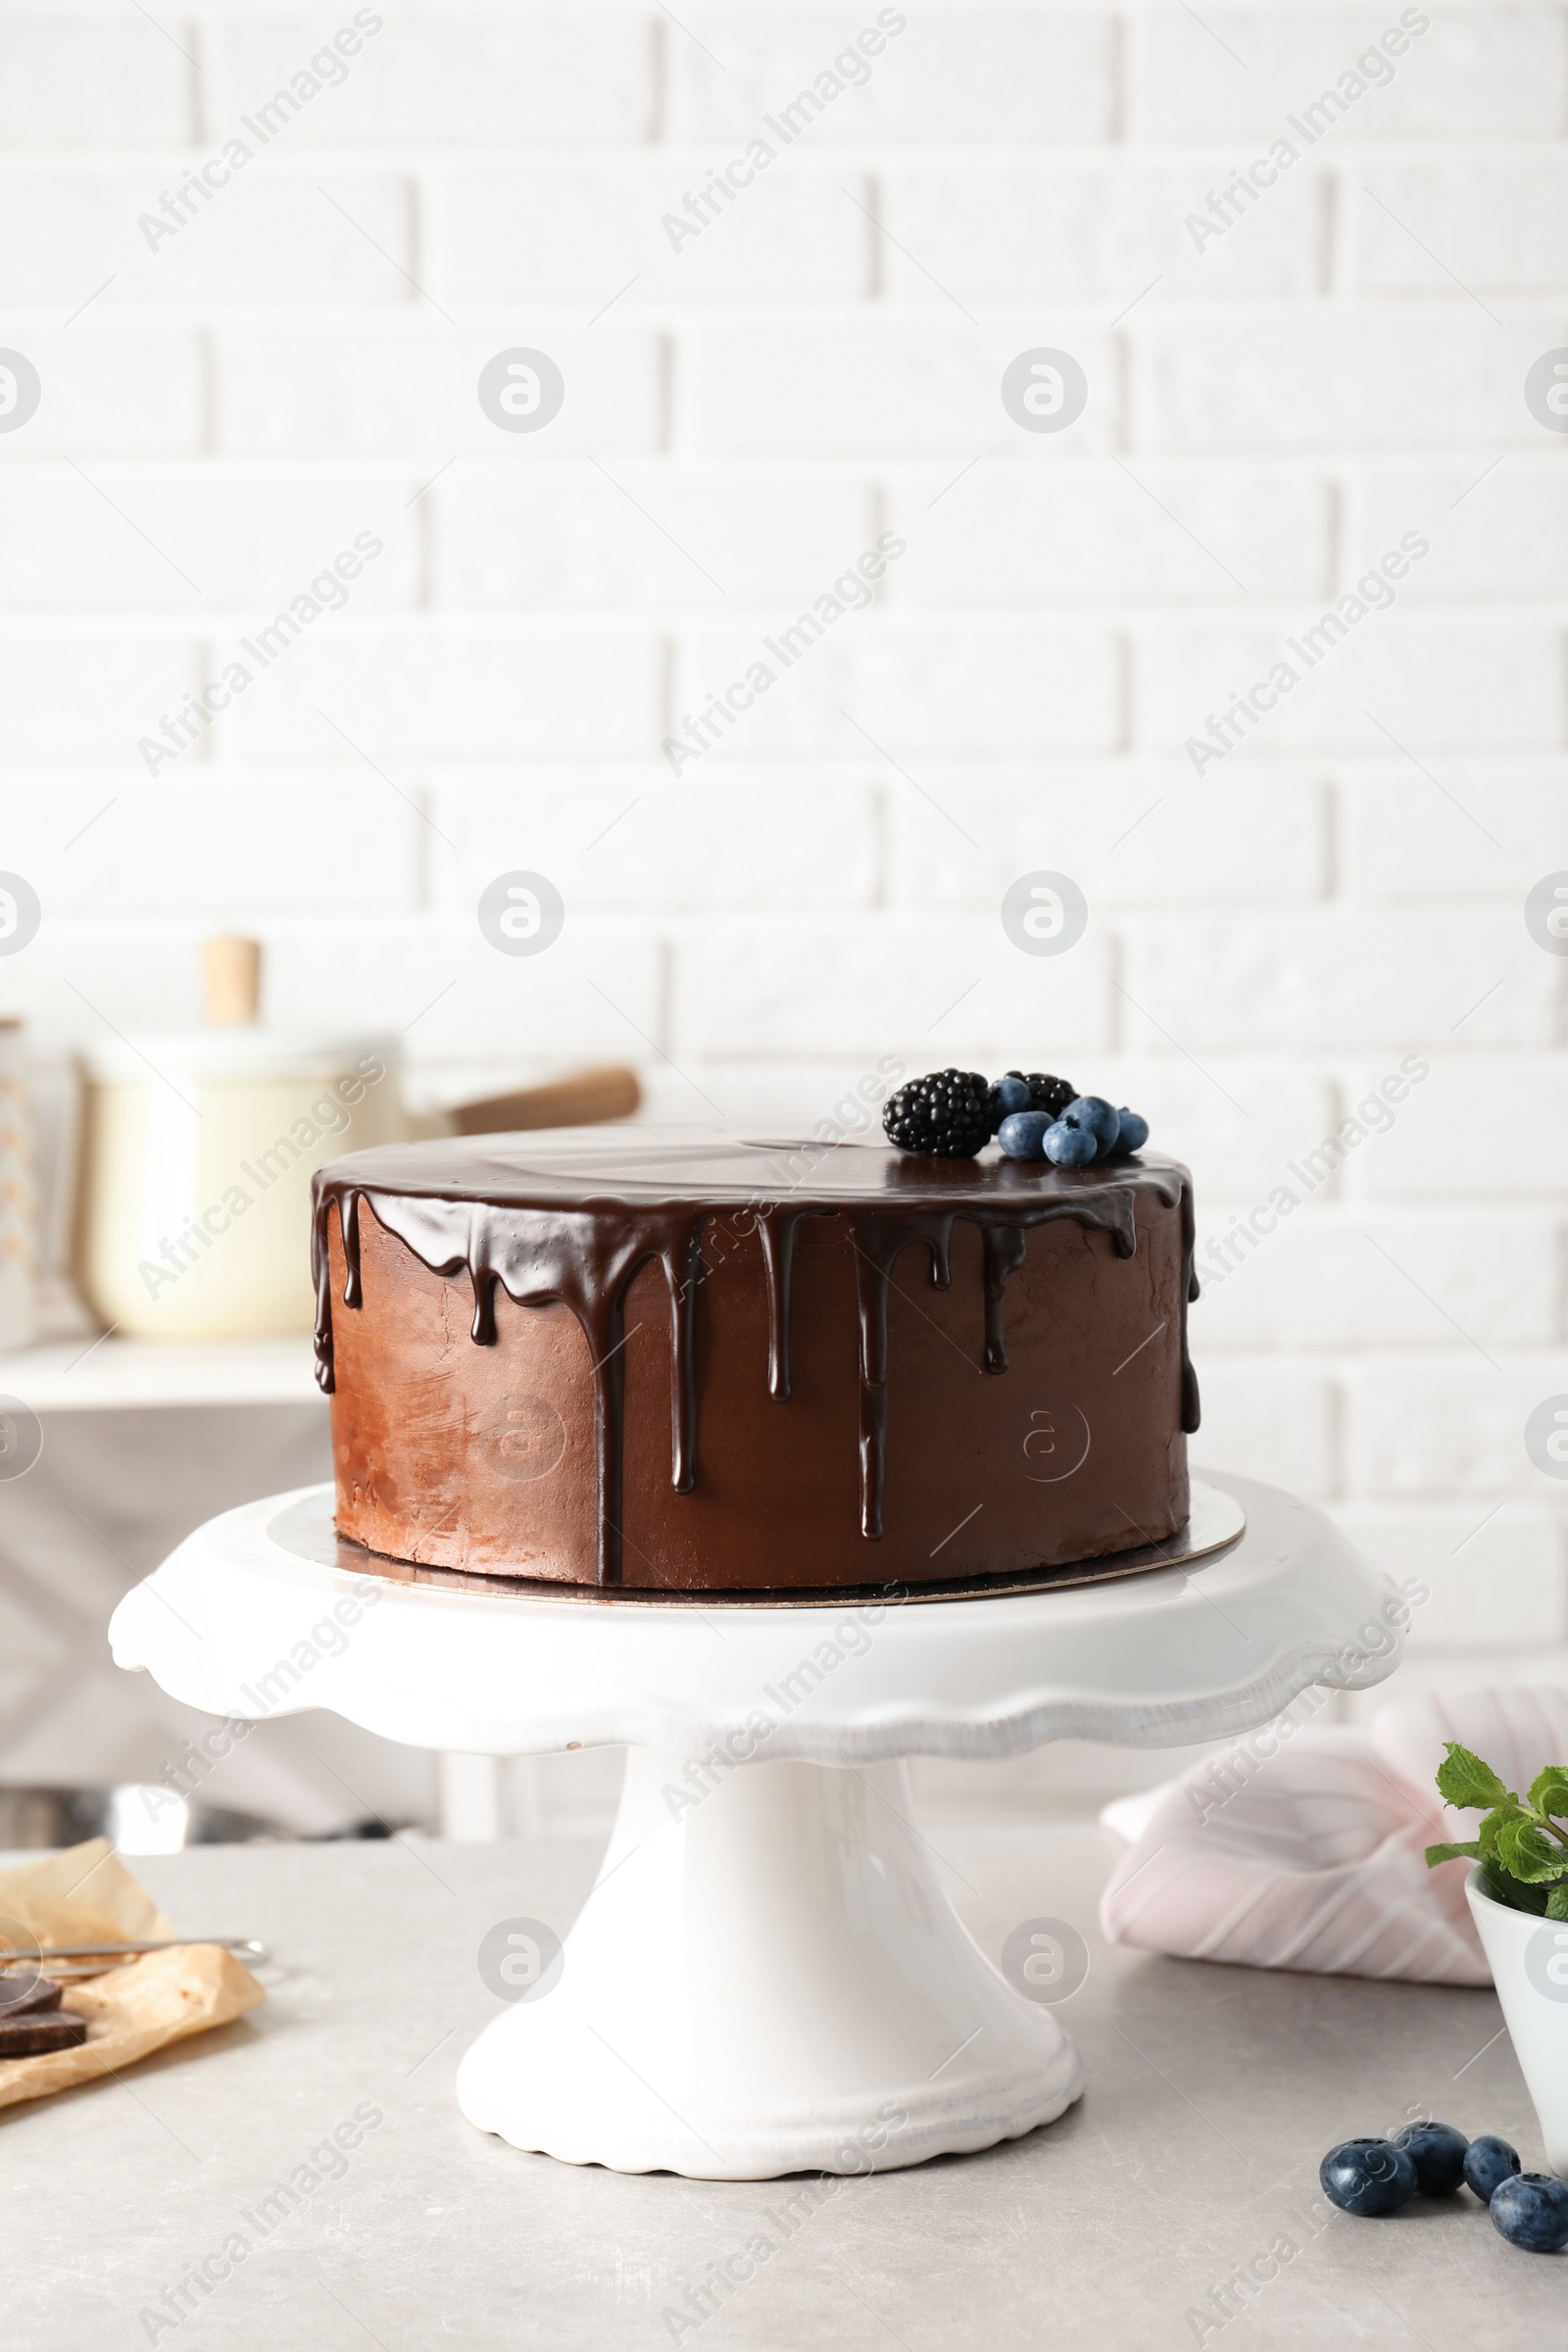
pixel 1368 2176
pixel 1488 2163
pixel 1010 1094
pixel 1097 1118
pixel 1530 2209
pixel 1437 2152
pixel 1134 1131
pixel 1069 1146
pixel 1022 1133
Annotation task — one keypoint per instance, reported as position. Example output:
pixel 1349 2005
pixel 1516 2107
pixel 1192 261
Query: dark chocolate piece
pixel 30 2036
pixel 23 1991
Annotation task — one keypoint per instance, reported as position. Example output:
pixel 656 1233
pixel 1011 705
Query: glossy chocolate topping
pixel 569 1217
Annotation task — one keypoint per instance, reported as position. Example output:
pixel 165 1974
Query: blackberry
pixel 945 1113
pixel 1047 1093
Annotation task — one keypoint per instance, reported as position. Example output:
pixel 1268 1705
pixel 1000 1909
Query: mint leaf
pixel 1557 1903
pixel 1466 1782
pixel 1549 1791
pixel 1451 1854
pixel 1490 1828
pixel 1527 1853
pixel 1513 1893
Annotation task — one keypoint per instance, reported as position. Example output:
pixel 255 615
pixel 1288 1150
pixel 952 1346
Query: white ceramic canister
pixel 1529 1962
pixel 19 1197
pixel 193 1216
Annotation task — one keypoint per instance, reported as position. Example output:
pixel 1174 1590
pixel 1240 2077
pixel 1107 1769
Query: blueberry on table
pixel 1437 2152
pixel 1022 1133
pixel 1068 1147
pixel 1487 2162
pixel 1133 1132
pixel 1530 2210
pixel 1368 2176
pixel 1096 1118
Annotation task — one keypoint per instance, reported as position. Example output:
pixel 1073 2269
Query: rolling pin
pixel 231 977
pixel 582 1099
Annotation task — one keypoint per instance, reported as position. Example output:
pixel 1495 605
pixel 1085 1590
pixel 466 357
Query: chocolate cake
pixel 650 1360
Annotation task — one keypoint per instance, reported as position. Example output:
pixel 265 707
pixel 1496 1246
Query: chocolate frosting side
pixel 569 1217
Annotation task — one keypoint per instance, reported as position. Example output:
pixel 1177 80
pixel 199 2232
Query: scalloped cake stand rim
pixel 767 1977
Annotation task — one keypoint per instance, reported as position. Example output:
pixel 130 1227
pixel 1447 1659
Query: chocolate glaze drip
pixel 683 1359
pixel 776 1230
pixel 572 1219
pixel 1190 1291
pixel 1005 1247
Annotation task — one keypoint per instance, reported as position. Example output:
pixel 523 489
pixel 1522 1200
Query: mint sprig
pixel 1521 1845
pixel 1466 1782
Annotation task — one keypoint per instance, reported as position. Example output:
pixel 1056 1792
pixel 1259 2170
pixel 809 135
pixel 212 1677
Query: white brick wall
pixel 1270 409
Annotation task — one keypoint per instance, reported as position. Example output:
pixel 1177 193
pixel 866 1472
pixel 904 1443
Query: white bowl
pixel 1529 1962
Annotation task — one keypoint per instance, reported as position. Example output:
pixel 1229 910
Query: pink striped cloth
pixel 1302 1848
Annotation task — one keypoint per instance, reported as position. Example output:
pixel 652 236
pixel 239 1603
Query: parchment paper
pixel 85 1894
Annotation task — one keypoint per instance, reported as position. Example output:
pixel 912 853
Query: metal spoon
pixel 65 1961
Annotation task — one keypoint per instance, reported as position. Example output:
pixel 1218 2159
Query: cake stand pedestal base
pixel 766 1979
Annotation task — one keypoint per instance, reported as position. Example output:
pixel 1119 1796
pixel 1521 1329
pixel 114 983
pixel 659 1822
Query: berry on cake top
pixel 953 1115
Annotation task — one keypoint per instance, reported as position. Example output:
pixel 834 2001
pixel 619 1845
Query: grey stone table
pixel 1176 2204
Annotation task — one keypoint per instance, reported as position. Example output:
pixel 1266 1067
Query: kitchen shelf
pixel 80 1375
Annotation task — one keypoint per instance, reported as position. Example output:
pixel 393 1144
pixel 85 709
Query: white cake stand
pixel 767 1977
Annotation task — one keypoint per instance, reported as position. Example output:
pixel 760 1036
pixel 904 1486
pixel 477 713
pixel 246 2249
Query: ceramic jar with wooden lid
pixel 193 1212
